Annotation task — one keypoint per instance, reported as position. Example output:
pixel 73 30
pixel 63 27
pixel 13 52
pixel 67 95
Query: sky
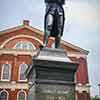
pixel 82 26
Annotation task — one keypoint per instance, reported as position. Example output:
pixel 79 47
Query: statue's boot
pixel 46 37
pixel 57 42
pixel 45 41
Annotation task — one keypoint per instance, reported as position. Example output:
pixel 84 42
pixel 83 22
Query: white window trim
pixel 6 92
pixel 19 92
pixel 9 72
pixel 19 73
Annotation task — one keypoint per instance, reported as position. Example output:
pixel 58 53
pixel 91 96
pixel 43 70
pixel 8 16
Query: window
pixel 21 95
pixel 3 95
pixel 25 45
pixel 5 72
pixel 22 69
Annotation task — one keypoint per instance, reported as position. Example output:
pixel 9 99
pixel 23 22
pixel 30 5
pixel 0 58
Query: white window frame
pixel 24 42
pixel 19 73
pixel 21 91
pixel 9 72
pixel 6 92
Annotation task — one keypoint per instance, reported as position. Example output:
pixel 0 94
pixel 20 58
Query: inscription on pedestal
pixel 55 92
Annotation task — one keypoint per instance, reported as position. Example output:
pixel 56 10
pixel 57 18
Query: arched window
pixel 3 95
pixel 25 45
pixel 5 72
pixel 21 95
pixel 22 69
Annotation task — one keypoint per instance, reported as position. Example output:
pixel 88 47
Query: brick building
pixel 17 46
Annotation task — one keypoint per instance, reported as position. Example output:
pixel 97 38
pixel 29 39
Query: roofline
pixel 20 27
pixel 41 33
pixel 76 47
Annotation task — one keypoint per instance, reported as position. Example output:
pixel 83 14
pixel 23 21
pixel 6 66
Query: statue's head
pixel 55 1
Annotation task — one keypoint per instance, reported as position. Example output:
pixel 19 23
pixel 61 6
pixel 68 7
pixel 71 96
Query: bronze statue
pixel 54 21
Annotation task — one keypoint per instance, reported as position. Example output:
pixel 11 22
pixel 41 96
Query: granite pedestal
pixel 51 76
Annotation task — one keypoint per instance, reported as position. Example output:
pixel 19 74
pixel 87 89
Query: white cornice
pixel 76 54
pixel 82 88
pixel 8 85
pixel 16 52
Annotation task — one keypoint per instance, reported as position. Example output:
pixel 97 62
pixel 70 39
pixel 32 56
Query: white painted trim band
pixel 18 36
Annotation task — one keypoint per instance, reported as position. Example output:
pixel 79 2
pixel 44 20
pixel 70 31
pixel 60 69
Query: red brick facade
pixel 10 55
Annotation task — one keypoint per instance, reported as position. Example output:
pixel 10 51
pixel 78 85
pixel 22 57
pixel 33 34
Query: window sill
pixel 5 80
pixel 22 80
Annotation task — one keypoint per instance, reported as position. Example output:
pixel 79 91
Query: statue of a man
pixel 54 21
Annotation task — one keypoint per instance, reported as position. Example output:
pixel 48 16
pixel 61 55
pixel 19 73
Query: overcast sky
pixel 82 26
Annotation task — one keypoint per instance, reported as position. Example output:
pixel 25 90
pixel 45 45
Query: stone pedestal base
pixel 51 76
pixel 52 92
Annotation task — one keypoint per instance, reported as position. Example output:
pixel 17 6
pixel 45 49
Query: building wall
pixel 13 94
pixel 14 85
pixel 15 58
